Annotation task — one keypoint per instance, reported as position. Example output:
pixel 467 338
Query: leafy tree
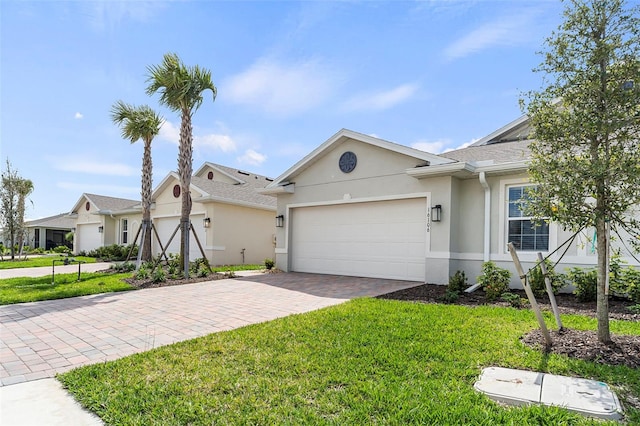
pixel 586 127
pixel 13 194
pixel 181 89
pixel 24 187
pixel 137 123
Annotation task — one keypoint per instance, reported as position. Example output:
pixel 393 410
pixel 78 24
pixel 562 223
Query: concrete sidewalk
pixel 41 339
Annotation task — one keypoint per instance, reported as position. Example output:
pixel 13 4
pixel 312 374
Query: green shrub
pixel 450 296
pixel 632 277
pixel 142 273
pixel 61 249
pixel 458 282
pixel 114 252
pixel 159 276
pixel 269 264
pixel 123 267
pixel 494 280
pixel 536 279
pixel 38 250
pixel 634 309
pixel 514 300
pixel 203 271
pixel 585 282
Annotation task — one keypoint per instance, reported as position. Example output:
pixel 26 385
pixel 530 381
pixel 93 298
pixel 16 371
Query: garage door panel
pixel 384 239
pixel 89 238
pixel 166 227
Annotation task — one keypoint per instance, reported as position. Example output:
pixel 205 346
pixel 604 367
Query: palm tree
pixel 24 187
pixel 181 89
pixel 137 123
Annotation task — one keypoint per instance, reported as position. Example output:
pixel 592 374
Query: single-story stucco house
pixel 362 206
pixel 234 223
pixel 49 232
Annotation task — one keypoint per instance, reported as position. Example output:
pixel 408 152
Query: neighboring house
pixel 358 205
pixel 49 232
pixel 233 222
pixel 97 224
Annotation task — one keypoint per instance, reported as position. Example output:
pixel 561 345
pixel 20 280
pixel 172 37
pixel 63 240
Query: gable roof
pixel 242 193
pixel 105 204
pixel 498 152
pixel 342 136
pixel 60 221
pixel 518 130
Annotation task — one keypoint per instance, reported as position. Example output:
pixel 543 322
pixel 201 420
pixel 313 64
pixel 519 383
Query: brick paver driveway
pixel 40 339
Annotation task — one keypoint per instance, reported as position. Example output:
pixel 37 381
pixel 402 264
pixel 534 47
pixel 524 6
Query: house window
pixel 125 231
pixel 522 231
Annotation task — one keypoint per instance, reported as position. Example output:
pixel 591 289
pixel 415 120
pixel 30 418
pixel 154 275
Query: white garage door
pixel 88 237
pixel 384 239
pixel 165 227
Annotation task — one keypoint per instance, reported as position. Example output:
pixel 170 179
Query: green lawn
pixel 226 268
pixel 367 361
pixel 26 289
pixel 41 261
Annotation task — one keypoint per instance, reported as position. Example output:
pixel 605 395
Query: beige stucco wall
pixel 379 173
pixel 235 228
pixel 457 242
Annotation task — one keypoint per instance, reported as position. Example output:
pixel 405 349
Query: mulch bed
pixel 584 345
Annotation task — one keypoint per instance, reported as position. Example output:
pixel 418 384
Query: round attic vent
pixel 176 190
pixel 347 162
pixel 87 206
pixel 210 175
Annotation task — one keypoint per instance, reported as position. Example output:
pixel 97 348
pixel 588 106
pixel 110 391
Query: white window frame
pixel 521 218
pixel 503 228
pixel 124 230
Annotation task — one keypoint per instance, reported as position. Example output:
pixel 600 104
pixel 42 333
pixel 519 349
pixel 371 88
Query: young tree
pixel 13 193
pixel 586 150
pixel 24 187
pixel 137 123
pixel 181 89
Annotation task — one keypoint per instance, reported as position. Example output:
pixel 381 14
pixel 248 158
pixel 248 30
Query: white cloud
pixel 98 188
pixel 169 132
pixel 381 100
pixel 222 142
pixel 225 143
pixel 252 157
pixel 280 88
pixel 434 147
pixel 81 164
pixel 507 31
pixel 78 116
pixel 464 145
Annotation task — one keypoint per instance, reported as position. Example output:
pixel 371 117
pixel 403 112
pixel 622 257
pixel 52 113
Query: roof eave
pixel 280 189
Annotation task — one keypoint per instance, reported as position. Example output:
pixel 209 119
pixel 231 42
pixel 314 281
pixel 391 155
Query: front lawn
pixel 27 289
pixel 47 260
pixel 368 361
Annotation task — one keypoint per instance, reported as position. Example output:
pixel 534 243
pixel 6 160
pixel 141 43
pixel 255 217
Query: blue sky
pixel 433 75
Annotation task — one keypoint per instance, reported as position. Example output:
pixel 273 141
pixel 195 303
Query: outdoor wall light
pixel 279 221
pixel 207 222
pixel 101 229
pixel 436 213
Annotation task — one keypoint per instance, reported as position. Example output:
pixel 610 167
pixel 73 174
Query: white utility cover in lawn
pixel 519 387
pixel 380 239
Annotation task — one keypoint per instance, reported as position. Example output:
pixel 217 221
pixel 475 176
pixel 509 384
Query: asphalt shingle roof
pixel 239 193
pixel 62 221
pixel 500 152
pixel 103 202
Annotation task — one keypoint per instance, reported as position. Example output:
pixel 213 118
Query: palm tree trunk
pixel 185 161
pixel 146 201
